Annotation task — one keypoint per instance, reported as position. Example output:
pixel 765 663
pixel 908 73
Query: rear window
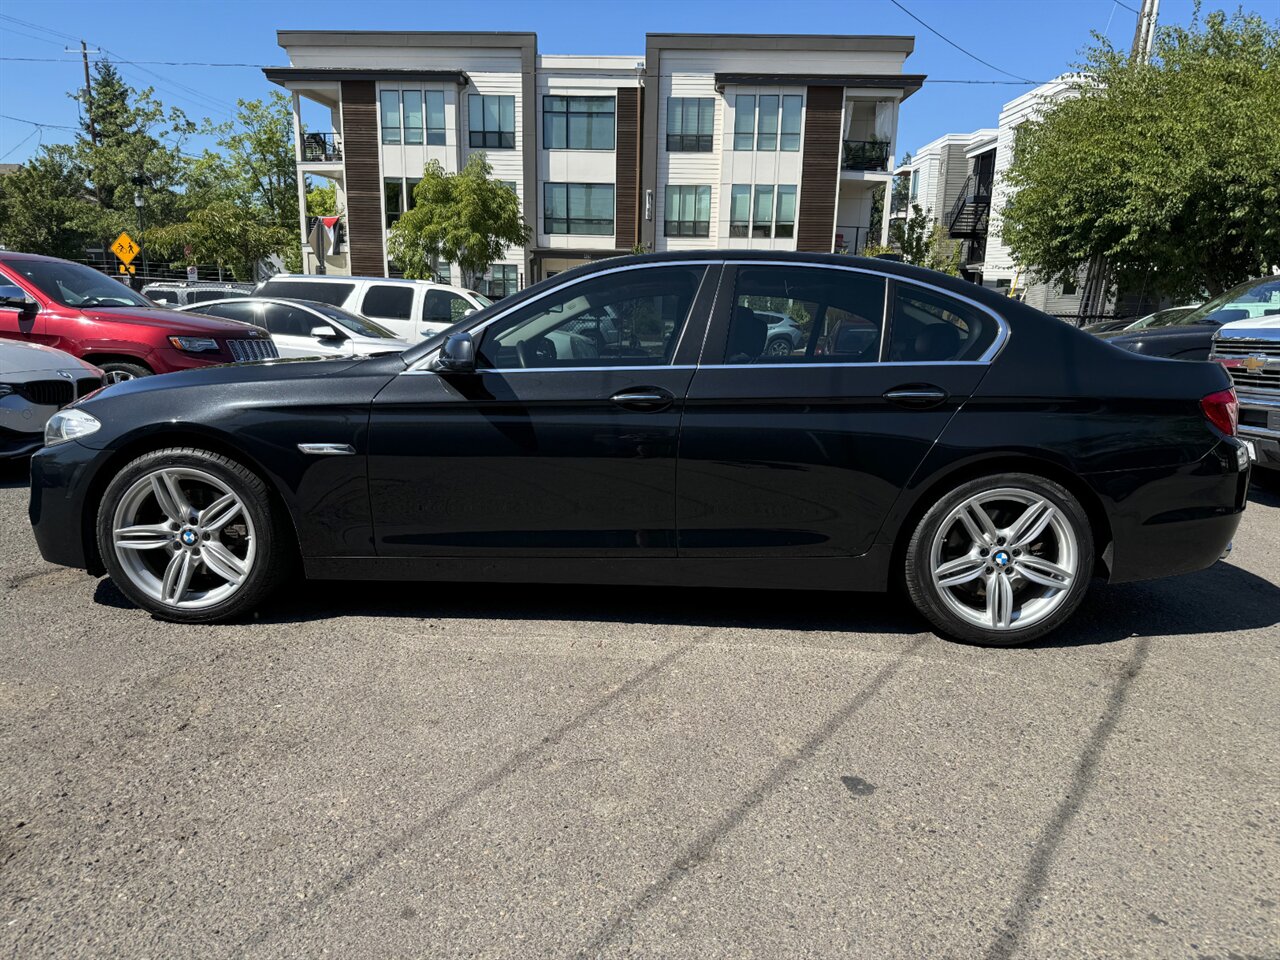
pixel 387 301
pixel 331 293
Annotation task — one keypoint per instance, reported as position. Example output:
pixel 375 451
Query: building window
pixel 390 100
pixel 393 194
pixel 690 124
pixel 688 212
pixel 739 210
pixel 435 118
pixel 784 224
pixel 744 122
pixel 762 214
pixel 1068 288
pixel 510 185
pixel 501 281
pixel 577 123
pixel 412 116
pixel 915 184
pixel 767 126
pixel 792 106
pixel 493 121
pixel 578 208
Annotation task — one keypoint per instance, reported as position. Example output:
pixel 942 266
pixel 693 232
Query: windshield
pixel 1254 298
pixel 366 328
pixel 480 298
pixel 75 285
pixel 1161 318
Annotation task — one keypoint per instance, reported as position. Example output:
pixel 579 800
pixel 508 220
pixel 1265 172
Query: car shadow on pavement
pixel 15 473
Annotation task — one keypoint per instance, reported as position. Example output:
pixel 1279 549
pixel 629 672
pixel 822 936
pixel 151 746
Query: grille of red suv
pixel 244 350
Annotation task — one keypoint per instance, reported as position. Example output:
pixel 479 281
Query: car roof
pixel 332 278
pixel 251 298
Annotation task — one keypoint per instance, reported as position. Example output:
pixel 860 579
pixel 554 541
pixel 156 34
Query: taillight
pixel 1222 409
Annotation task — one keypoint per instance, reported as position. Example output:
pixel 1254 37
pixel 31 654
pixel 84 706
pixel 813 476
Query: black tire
pixel 927 595
pixel 117 370
pixel 778 347
pixel 274 545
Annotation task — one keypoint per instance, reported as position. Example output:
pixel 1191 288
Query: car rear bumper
pixel 1171 520
pixel 61 477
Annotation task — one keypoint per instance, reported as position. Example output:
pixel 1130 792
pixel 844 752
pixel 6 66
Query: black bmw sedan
pixel 624 422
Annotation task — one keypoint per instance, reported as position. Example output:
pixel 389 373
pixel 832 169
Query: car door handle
pixel 918 396
pixel 649 399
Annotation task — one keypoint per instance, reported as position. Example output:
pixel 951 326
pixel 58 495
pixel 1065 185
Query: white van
pixel 411 309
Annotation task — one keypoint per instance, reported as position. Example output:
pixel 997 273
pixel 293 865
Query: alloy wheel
pixel 118 376
pixel 183 537
pixel 1004 559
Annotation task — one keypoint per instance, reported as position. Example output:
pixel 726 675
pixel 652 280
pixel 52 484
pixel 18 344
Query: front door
pixel 800 449
pixel 13 324
pixel 563 442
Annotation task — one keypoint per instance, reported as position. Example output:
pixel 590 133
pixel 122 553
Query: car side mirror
pixel 458 355
pixel 25 306
pixel 324 332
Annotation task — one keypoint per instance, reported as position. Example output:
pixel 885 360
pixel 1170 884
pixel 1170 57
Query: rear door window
pixel 385 301
pixel 444 306
pixel 929 327
pixel 245 312
pixel 334 294
pixel 290 321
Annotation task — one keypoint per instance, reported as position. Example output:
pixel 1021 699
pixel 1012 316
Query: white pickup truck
pixel 1249 347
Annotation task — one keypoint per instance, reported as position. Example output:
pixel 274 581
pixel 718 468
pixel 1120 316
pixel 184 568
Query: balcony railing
pixel 851 240
pixel 865 155
pixel 321 147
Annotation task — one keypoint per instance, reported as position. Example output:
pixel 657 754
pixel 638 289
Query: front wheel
pixel 192 536
pixel 118 371
pixel 1000 560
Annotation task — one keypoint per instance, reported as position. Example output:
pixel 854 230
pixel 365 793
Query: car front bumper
pixel 61 480
pixel 1260 423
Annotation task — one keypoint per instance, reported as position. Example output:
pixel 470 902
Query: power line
pixel 34 123
pixel 1126 6
pixel 154 63
pixel 972 56
pixel 33 133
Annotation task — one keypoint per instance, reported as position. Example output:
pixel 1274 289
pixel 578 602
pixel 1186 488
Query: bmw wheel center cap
pixel 1001 558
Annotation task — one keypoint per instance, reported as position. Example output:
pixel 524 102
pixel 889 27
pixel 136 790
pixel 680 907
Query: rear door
pixel 802 453
pixel 391 305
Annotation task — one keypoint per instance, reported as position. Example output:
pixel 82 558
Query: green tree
pixel 1169 170
pixel 225 233
pixel 322 201
pixel 913 236
pixel 465 218
pixel 45 207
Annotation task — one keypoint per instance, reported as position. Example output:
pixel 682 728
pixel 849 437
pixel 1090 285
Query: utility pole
pixel 88 89
pixel 1093 299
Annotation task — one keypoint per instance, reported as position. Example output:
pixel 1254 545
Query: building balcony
pixel 865 155
pixel 321 148
pixel 851 240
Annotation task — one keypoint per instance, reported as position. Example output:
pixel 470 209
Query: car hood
pixel 1122 337
pixel 18 358
pixel 172 320
pixel 1262 328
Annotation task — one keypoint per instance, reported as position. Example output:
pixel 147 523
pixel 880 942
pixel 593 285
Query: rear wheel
pixel 1000 560
pixel 778 347
pixel 192 536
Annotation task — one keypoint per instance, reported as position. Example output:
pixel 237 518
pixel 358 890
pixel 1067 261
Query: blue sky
pixel 1033 39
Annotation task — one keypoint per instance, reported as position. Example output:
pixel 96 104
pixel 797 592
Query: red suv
pixel 97 318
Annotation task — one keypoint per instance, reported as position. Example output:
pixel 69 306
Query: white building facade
pixel 707 141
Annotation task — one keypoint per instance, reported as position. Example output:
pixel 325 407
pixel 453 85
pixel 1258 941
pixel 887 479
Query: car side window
pixel 785 314
pixel 930 327
pixel 290 321
pixel 444 306
pixel 628 318
pixel 244 312
pixel 334 294
pixel 384 301
pixel 200 296
pixel 11 290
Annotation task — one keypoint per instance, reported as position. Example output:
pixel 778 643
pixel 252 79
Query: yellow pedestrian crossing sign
pixel 125 248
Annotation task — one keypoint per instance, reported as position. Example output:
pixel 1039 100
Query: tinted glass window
pixel 443 306
pixel 163 296
pixel 75 285
pixel 290 321
pixel 927 326
pixel 366 328
pixel 388 302
pixel 334 293
pixel 805 315
pixel 202 296
pixel 243 311
pixel 632 318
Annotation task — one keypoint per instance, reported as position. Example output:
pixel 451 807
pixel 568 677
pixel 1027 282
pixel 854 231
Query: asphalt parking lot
pixel 497 771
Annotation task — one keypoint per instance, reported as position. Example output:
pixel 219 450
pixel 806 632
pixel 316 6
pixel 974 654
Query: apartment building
pixel 705 141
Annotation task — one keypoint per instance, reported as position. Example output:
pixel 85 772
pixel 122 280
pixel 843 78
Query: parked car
pixel 1250 351
pixel 784 335
pixel 100 320
pixel 1129 323
pixel 35 382
pixel 1184 336
pixel 302 328
pixel 180 293
pixel 996 463
pixel 410 309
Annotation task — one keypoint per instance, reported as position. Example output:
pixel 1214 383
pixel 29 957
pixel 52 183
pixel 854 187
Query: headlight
pixel 194 344
pixel 69 424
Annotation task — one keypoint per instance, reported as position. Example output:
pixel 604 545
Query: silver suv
pixel 1248 345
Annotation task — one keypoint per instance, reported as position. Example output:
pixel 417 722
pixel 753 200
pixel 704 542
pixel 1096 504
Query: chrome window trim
pixel 475 331
pixel 989 355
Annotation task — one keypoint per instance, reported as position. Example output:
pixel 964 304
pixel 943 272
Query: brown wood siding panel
pixel 627 169
pixel 363 177
pixel 819 169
